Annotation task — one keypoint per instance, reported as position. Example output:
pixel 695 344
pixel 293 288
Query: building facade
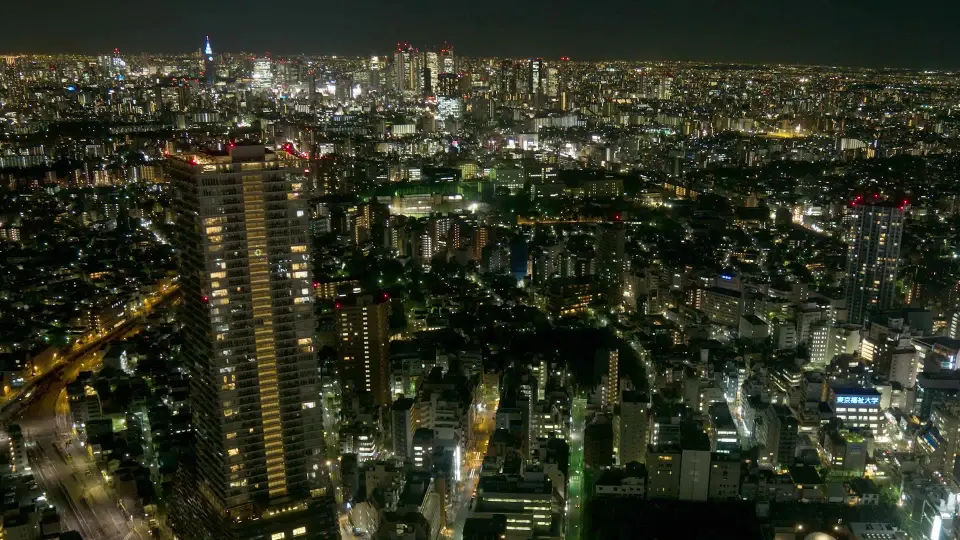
pixel 873 257
pixel 248 340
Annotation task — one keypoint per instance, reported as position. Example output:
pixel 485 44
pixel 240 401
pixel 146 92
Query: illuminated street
pixel 575 495
pixel 64 468
pixel 66 471
pixel 483 427
pixel 54 362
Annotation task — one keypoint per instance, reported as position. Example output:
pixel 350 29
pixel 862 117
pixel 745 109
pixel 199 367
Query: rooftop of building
pixel 943 341
pixel 939 376
pixel 615 476
pixel 853 390
pixel 360 300
pixel 540 485
pixel 236 153
pixel 725 292
pixel 626 517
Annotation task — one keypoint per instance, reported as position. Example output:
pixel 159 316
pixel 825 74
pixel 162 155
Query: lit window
pixel 278 536
pixel 233 452
pixel 298 249
pixel 300 531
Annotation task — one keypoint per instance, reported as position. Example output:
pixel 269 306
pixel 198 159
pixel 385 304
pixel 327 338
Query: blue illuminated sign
pixel 726 277
pixel 858 400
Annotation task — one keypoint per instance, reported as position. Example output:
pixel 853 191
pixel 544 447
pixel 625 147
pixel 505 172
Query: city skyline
pixel 823 33
pixel 425 295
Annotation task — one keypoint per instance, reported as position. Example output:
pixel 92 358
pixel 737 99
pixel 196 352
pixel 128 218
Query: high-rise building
pixel 431 71
pixel 777 434
pixel 363 343
pixel 448 62
pixel 873 257
pixel 209 64
pixel 508 79
pixel 404 424
pixel 248 344
pixel 724 437
pixel 536 83
pixel 612 393
pixel 634 419
pixel 262 73
pixel 611 251
pixel 406 68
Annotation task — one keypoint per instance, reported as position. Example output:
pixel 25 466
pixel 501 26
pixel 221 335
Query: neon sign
pixel 858 400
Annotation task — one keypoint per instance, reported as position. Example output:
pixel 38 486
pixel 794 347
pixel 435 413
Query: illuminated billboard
pixel 858 400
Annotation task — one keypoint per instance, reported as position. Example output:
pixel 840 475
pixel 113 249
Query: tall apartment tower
pixel 634 419
pixel 873 257
pixel 611 252
pixel 242 233
pixel 363 343
pixel 610 359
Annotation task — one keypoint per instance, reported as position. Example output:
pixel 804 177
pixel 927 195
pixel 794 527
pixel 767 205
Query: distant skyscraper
pixel 448 62
pixel 431 71
pixel 407 75
pixel 508 78
pixel 209 64
pixel 248 345
pixel 363 343
pixel 262 73
pixel 536 84
pixel 873 257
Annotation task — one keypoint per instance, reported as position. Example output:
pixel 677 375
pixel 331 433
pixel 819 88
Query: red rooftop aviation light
pixel 205 299
pixel 337 305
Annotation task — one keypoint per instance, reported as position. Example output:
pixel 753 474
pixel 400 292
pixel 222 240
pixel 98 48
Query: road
pixel 53 356
pixel 16 401
pixel 67 473
pixel 65 470
pixel 575 485
pixel 484 424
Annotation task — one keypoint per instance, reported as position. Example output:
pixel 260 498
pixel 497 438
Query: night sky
pixel 875 33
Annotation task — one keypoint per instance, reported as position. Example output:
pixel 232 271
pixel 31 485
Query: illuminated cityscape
pixel 421 294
